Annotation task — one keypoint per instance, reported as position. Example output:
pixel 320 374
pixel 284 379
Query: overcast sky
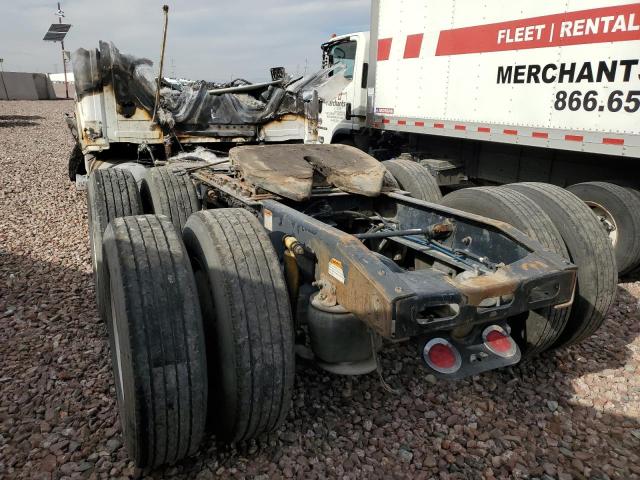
pixel 211 40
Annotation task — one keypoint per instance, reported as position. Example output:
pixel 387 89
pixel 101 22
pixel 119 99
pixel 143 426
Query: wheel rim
pixel 607 221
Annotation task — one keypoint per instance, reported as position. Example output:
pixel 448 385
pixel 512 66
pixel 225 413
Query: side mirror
pixel 347 113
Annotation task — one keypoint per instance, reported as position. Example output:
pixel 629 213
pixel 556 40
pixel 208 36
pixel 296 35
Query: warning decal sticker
pixel 268 219
pixel 336 270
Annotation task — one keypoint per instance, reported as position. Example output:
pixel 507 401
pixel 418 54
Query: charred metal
pixel 116 107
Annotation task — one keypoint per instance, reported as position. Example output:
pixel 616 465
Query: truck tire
pixel 589 248
pixel 248 322
pixel 111 194
pixel 389 181
pixel 634 191
pixel 76 163
pixel 542 327
pixel 415 179
pixel 618 210
pixel 164 192
pixel 157 340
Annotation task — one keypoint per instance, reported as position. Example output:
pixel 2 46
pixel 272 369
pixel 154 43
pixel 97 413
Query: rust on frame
pixel 479 288
pixel 361 293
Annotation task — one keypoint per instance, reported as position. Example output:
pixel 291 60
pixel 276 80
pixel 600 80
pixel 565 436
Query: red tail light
pixel 442 356
pixel 498 341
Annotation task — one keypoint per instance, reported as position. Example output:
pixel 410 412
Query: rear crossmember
pixel 400 303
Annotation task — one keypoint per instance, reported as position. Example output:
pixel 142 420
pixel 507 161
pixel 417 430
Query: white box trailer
pixel 524 73
pixel 495 92
pixel 527 72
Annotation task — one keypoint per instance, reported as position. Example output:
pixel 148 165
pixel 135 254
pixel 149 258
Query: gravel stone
pixel 405 455
pixel 48 463
pixel 113 444
pixel 59 419
pixel 549 468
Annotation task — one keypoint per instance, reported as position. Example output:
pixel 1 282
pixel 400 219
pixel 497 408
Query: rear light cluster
pixel 442 356
pixel 498 341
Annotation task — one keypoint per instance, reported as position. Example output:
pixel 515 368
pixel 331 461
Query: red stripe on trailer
pixel 419 124
pixel 402 122
pixel 540 135
pixel 546 31
pixel 460 127
pixel 386 120
pixel 510 132
pixel 384 48
pixel 484 130
pixel 413 45
pixel 574 138
pixel 438 125
pixel 613 141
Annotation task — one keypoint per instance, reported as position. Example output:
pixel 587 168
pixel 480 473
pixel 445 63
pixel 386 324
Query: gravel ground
pixel 570 414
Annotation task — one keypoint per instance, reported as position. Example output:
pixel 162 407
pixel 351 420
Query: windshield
pixel 344 53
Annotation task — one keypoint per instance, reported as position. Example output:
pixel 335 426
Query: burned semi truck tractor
pixel 216 268
pixel 492 93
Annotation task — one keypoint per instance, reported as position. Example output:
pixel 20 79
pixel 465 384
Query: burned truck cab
pixel 120 114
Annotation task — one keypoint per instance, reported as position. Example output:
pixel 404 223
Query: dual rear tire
pixel 166 191
pixel 561 222
pixel 618 210
pixel 178 372
pixel 542 328
pixel 156 338
pixel 196 346
pixel 247 319
pixel 589 248
pixel 111 193
pixel 413 178
pixel 247 316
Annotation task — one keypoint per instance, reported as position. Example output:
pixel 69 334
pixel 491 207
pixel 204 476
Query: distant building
pixel 57 79
pixel 26 86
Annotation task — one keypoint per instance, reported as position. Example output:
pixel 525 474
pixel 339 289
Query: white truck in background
pixel 496 92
